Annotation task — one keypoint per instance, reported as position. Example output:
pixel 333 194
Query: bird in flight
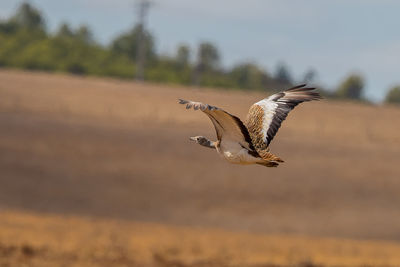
pixel 248 143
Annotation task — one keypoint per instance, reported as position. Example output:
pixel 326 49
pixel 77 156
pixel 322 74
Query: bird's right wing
pixel 227 126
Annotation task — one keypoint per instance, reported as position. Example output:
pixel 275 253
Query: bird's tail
pixel 269 163
pixel 268 156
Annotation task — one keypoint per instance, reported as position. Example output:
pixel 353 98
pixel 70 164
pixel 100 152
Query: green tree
pixel 65 31
pixel 249 76
pixel 84 34
pixel 29 17
pixel 182 56
pixel 309 76
pixel 127 43
pixel 207 61
pixel 282 74
pixel 351 88
pixel 8 27
pixel 393 96
pixel 208 57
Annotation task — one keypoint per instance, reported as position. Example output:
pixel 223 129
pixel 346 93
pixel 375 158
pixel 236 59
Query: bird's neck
pixel 210 144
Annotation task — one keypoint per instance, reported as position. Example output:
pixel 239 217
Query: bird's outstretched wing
pixel 266 116
pixel 227 126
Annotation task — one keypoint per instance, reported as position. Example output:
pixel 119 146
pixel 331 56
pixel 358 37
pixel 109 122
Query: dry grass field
pixel 33 240
pixel 100 172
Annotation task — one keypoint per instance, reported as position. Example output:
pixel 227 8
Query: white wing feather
pixel 274 111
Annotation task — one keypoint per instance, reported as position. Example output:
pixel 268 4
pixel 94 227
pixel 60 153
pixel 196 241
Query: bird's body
pixel 249 143
pixel 234 153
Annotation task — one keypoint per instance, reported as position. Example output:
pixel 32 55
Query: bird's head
pixel 200 140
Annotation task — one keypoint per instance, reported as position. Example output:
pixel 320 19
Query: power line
pixel 143 7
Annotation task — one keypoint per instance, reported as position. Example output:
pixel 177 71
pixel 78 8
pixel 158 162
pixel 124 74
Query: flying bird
pixel 248 143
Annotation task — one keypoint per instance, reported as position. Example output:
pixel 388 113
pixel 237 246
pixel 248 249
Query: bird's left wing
pixel 266 116
pixel 227 126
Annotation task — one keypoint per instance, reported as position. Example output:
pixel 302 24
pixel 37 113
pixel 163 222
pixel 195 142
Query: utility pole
pixel 143 8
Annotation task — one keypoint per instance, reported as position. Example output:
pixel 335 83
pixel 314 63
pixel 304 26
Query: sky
pixel 333 37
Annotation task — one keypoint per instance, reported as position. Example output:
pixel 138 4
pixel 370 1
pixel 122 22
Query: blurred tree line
pixel 26 43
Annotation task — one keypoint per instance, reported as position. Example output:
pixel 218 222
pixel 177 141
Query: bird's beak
pixel 192 138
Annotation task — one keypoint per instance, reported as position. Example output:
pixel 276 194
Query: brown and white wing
pixel 266 116
pixel 227 126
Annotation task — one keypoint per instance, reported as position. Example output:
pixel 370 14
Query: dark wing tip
pixel 297 87
pixel 300 88
pixel 308 91
pixel 195 105
pixel 314 95
pixel 183 102
pixel 317 96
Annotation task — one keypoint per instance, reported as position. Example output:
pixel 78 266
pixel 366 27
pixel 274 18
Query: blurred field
pixel 32 240
pixel 110 149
